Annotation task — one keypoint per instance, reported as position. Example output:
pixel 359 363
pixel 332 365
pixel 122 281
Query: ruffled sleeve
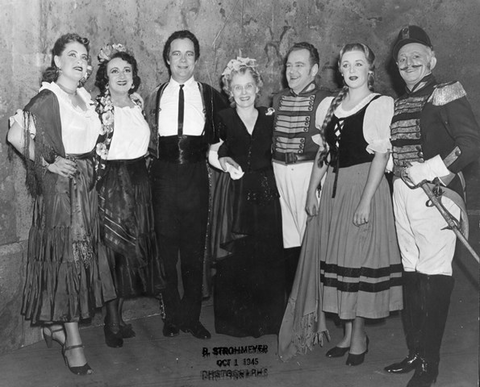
pixel 320 115
pixel 376 125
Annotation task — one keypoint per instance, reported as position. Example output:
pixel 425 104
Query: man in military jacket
pixel 294 149
pixel 181 117
pixel 434 135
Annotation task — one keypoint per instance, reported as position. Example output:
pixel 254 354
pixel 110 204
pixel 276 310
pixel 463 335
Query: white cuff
pixel 437 166
pixel 213 159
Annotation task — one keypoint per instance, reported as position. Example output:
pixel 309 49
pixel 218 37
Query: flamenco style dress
pixel 126 208
pixel 249 288
pixel 67 270
pixel 354 271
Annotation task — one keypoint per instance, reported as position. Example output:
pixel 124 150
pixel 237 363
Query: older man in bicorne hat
pixel 434 135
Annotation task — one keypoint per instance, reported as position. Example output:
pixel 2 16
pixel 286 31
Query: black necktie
pixel 181 108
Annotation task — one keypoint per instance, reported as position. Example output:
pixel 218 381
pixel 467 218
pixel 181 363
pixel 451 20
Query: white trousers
pixel 292 183
pixel 425 245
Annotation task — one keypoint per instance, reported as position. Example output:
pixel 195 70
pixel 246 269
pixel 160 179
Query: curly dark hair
pixel 101 79
pixel 184 34
pixel 51 73
pixel 314 57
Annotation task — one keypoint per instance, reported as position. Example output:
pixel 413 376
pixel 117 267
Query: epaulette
pixel 447 92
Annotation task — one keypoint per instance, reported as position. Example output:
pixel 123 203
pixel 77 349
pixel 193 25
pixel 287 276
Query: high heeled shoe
pixel 337 352
pixel 113 339
pixel 49 338
pixel 82 370
pixel 355 360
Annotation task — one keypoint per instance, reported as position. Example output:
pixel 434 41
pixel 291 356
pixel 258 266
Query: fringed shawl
pixel 43 111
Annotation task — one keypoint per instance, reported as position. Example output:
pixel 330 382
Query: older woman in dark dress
pixel 249 283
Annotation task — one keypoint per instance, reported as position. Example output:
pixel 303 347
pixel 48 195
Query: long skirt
pixel 128 228
pixel 68 276
pixel 249 289
pixel 360 268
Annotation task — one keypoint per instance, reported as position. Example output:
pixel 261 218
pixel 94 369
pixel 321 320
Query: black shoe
pixel 170 329
pixel 337 352
pixel 127 331
pixel 197 330
pixel 355 360
pixel 113 339
pixel 425 375
pixel 406 365
pixel 82 370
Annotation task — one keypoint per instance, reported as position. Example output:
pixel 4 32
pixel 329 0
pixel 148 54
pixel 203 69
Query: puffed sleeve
pixel 320 117
pixel 24 119
pixel 376 124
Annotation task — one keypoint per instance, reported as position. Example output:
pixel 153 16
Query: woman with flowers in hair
pixel 124 189
pixel 350 238
pixel 249 284
pixel 67 270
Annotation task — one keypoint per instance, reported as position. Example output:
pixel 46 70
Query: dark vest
pixel 183 149
pixel 352 144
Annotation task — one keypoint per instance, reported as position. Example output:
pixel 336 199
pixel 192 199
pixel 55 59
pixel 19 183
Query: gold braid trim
pixel 447 92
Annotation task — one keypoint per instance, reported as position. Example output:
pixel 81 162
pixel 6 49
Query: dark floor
pixel 153 360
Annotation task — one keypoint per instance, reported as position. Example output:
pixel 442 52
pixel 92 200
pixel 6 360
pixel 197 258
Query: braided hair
pixel 370 56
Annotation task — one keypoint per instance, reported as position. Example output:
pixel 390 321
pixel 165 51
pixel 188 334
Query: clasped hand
pixel 63 167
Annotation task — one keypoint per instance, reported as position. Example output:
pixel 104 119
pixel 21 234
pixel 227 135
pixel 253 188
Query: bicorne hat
pixel 410 34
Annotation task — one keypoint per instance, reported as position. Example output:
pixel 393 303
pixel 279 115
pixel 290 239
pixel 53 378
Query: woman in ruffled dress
pixel 249 283
pixel 124 188
pixel 350 241
pixel 67 270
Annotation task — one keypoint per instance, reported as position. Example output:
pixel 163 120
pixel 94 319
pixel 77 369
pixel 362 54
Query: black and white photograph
pixel 234 193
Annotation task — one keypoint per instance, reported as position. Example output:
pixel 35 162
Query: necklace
pixel 68 91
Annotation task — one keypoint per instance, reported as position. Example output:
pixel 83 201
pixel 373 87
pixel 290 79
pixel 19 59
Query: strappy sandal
pixel 82 370
pixel 49 338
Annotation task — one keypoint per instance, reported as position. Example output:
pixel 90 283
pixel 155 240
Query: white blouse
pixel 131 134
pixel 80 128
pixel 376 123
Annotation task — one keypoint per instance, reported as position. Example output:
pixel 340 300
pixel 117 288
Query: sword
pixel 434 196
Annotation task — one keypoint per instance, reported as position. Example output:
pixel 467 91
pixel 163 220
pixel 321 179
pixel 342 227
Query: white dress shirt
pixel 194 117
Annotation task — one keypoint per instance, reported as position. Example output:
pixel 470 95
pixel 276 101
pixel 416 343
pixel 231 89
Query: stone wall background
pixel 261 29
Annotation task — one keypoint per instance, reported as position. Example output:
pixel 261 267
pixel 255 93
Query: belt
pixel 292 158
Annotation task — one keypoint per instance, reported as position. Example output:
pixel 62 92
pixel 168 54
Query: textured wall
pixel 261 29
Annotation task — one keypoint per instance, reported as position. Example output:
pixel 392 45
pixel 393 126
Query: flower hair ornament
pixel 107 51
pixel 105 110
pixel 237 64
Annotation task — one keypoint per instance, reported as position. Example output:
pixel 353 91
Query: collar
pixel 307 89
pixel 427 80
pixel 188 83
